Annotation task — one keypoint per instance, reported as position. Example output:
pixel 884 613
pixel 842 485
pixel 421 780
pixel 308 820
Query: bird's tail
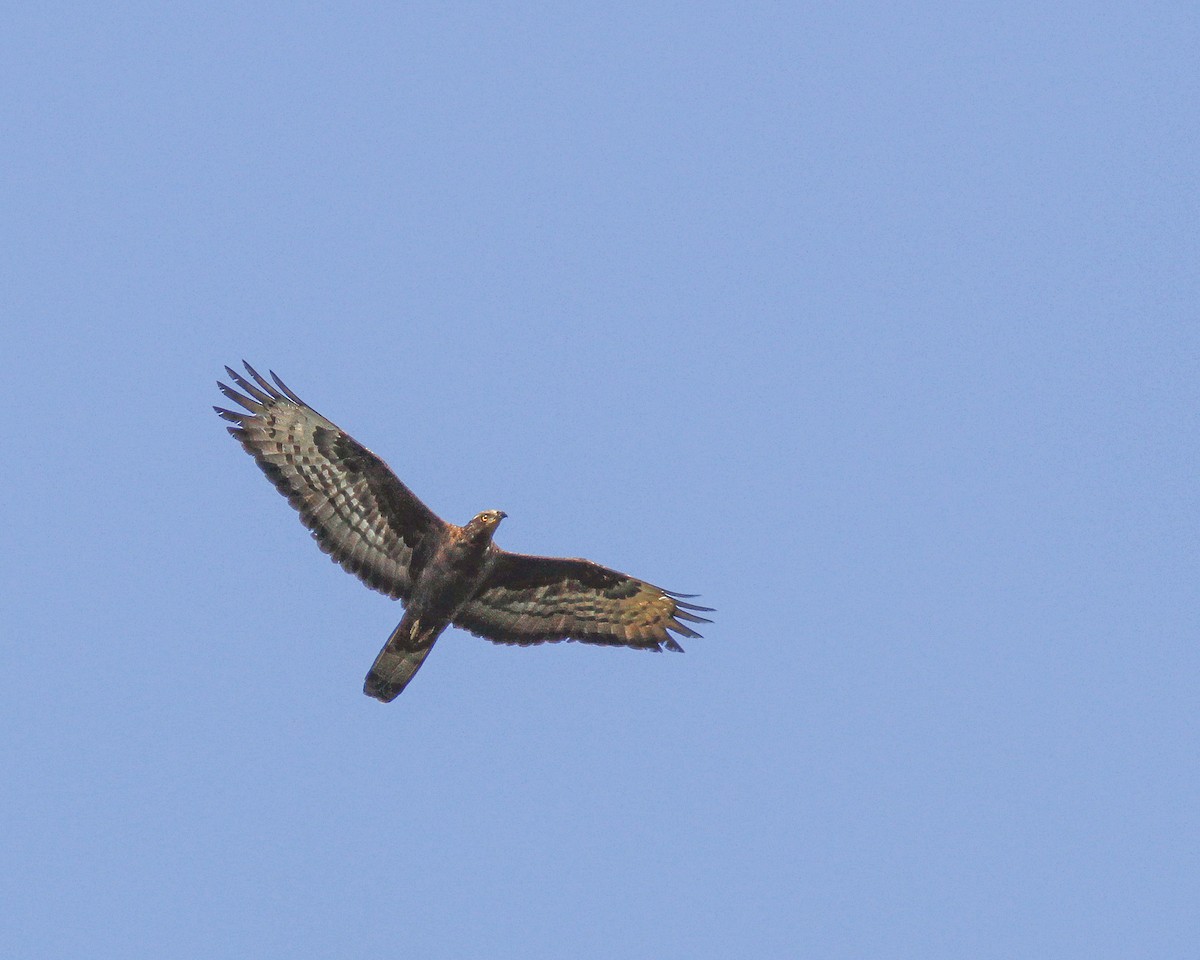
pixel 399 660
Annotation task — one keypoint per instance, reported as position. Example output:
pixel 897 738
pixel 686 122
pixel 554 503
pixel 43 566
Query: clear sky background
pixel 872 323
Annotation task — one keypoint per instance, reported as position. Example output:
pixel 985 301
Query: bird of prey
pixel 375 527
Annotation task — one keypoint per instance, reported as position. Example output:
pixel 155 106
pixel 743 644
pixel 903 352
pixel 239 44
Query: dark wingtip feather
pixel 250 388
pixel 262 381
pixel 242 401
pixel 679 599
pixel 287 391
pixel 232 415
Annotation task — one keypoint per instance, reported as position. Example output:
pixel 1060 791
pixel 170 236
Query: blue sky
pixel 873 324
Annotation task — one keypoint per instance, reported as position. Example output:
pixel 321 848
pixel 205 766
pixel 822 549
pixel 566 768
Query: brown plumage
pixel 375 527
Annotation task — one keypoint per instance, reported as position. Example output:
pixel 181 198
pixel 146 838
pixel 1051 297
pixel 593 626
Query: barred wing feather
pixel 357 509
pixel 545 599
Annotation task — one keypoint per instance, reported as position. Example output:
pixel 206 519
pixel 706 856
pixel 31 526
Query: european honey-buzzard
pixel 375 527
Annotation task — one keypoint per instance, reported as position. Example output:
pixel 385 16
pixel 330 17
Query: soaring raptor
pixel 375 527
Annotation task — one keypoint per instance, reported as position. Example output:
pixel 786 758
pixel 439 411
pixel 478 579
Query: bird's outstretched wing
pixel 357 509
pixel 542 599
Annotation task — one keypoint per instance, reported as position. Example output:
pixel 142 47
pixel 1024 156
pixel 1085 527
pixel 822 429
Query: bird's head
pixel 485 523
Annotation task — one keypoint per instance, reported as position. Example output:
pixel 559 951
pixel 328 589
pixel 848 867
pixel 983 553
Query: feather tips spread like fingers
pixel 242 401
pixel 248 387
pixel 232 416
pixel 357 509
pixel 286 392
pixel 545 599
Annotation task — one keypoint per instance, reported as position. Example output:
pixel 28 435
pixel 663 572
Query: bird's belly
pixel 446 584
